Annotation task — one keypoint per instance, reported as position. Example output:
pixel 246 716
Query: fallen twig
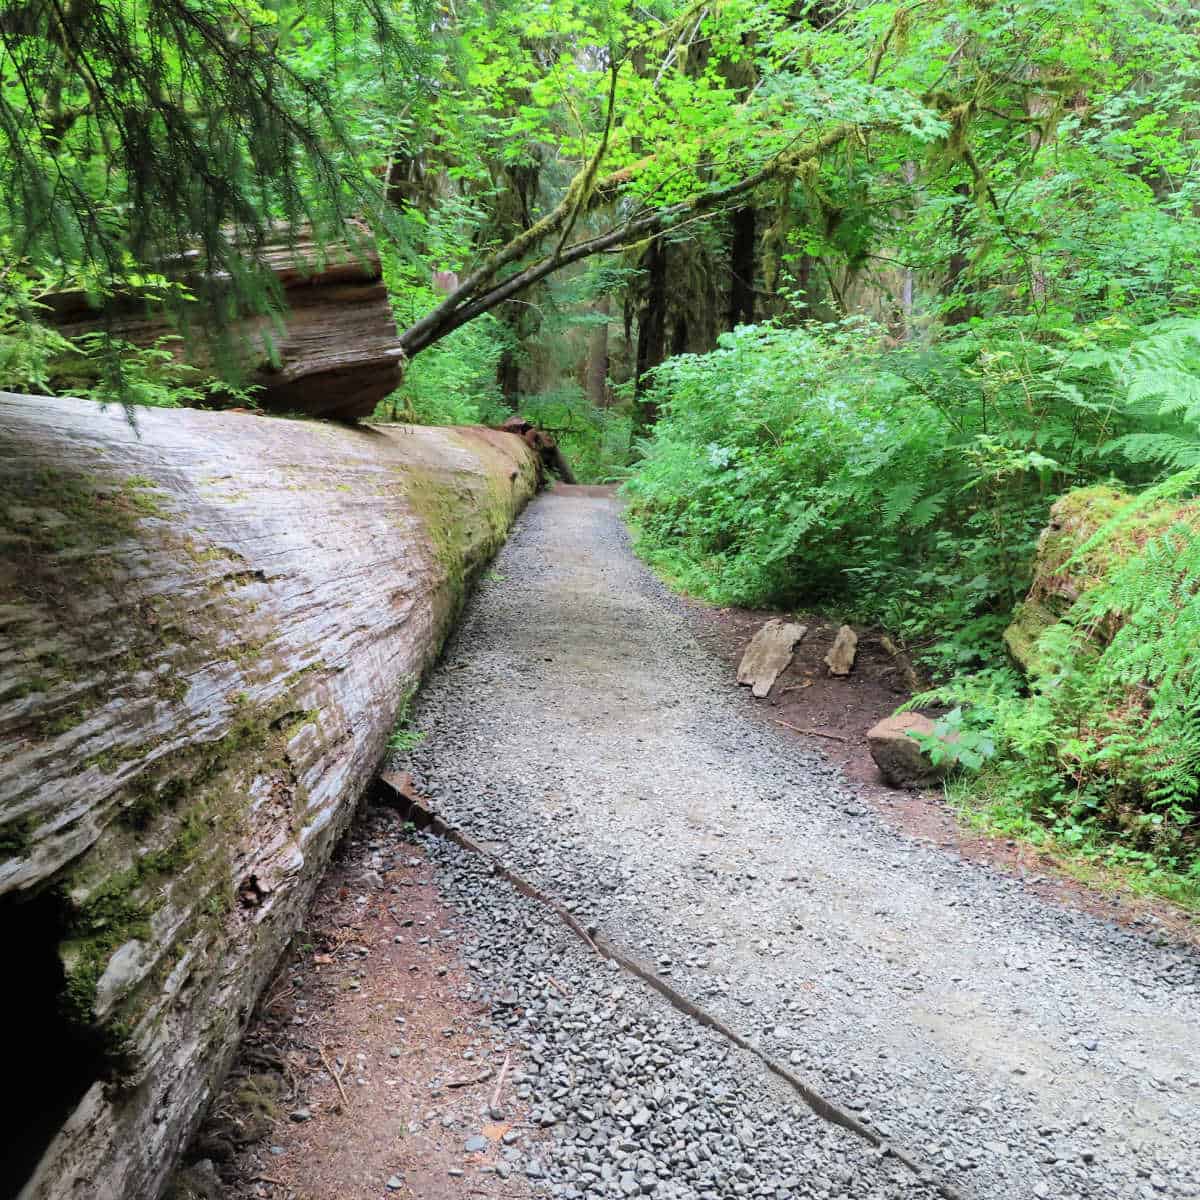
pixel 833 737
pixel 336 1078
pixel 462 1083
pixel 558 986
pixel 500 1082
pixel 903 662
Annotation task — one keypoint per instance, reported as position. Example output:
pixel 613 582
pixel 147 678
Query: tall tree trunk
pixel 741 267
pixel 652 333
pixel 508 378
pixel 597 361
pixel 908 279
pixel 955 287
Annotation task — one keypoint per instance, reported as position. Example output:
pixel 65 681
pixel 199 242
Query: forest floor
pixel 584 726
pixel 807 697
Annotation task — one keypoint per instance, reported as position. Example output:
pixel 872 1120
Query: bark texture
pixel 336 352
pixel 208 624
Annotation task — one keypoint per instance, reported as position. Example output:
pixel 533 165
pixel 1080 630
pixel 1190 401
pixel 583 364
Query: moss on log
pixel 208 623
pixel 1059 580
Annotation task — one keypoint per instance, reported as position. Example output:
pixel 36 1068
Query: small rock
pixel 769 652
pixel 900 760
pixel 840 658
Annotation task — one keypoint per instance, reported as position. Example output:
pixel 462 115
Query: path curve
pixel 1021 1050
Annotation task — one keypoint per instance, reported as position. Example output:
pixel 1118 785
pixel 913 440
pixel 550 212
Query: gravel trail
pixel 577 727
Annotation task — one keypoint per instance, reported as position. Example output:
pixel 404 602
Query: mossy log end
pixel 208 624
pixel 1059 580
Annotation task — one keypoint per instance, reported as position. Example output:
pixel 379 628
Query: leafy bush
pixel 903 485
pixel 1103 748
pixel 908 486
pixel 454 382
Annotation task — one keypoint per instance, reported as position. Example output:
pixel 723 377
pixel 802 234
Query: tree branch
pixel 443 320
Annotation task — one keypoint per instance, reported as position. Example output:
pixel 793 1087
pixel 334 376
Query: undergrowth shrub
pixel 908 486
pixel 905 486
pixel 1102 749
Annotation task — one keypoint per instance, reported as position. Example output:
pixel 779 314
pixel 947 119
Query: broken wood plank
pixel 821 733
pixel 768 654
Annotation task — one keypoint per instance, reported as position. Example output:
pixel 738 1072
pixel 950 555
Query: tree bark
pixel 956 287
pixel 597 359
pixel 211 622
pixel 741 267
pixel 652 334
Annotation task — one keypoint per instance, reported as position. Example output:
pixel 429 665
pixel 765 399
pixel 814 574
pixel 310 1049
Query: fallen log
pixel 543 445
pixel 208 625
pixel 333 352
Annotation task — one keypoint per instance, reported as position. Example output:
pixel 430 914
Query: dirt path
pixel 1022 1050
pixel 579 729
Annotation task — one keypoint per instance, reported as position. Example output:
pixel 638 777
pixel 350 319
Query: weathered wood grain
pixel 333 352
pixel 208 623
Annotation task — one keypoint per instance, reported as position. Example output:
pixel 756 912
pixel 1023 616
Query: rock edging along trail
pixel 1021 1050
pixel 210 622
pixel 397 792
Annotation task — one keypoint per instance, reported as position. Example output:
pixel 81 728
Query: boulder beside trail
pixel 900 759
pixel 208 625
pixel 768 654
pixel 1060 578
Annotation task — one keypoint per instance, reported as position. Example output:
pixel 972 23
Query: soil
pixel 283 1130
pixel 807 697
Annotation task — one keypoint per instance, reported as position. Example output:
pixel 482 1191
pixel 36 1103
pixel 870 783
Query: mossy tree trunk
pixel 209 624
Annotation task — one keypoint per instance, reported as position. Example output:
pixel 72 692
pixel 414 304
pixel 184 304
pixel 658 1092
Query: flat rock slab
pixel 840 659
pixel 768 654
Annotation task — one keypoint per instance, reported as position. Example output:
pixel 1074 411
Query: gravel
pixel 577 727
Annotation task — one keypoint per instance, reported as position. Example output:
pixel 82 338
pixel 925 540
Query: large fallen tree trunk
pixel 208 625
pixel 333 352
